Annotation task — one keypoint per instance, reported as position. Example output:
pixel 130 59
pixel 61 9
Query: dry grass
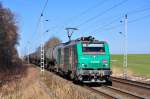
pixel 118 72
pixel 63 89
pixel 25 87
pixel 49 86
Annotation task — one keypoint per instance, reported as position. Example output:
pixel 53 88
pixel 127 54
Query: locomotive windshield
pixel 93 48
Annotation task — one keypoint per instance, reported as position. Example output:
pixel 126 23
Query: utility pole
pixel 70 32
pixel 42 44
pixel 28 56
pixel 125 64
pixel 125 45
pixel 28 51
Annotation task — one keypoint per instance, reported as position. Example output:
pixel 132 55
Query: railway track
pixel 100 92
pixel 134 83
pixel 121 89
pixel 139 88
pixel 109 92
pixel 113 92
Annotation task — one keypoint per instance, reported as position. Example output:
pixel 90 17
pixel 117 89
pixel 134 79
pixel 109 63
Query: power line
pixel 138 11
pixel 110 28
pixel 141 18
pixel 107 24
pixel 44 7
pixel 133 12
pixel 87 10
pixel 93 7
pixel 129 22
pixel 116 5
pixel 83 13
pixel 41 14
pixel 39 19
pixel 100 14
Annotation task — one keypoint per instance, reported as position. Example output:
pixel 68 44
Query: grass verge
pixel 138 64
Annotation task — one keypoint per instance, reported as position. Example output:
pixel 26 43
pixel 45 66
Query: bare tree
pixel 52 42
pixel 8 39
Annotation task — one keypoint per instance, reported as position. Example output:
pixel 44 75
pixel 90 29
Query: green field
pixel 138 64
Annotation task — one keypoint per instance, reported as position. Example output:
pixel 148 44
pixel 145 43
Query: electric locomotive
pixel 85 60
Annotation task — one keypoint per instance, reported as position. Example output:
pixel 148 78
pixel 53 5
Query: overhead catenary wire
pixel 93 7
pixel 129 22
pixel 41 14
pixel 107 24
pixel 86 11
pixel 44 7
pixel 129 13
pixel 100 14
pixel 141 18
pixel 133 12
pixel 82 13
pixel 39 19
pixel 138 11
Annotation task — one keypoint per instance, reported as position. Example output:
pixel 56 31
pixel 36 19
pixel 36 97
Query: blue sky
pixel 92 17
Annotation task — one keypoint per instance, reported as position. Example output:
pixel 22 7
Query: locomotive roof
pixel 73 42
pixel 79 40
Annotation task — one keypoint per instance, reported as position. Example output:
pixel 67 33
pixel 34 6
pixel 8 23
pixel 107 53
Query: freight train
pixel 84 60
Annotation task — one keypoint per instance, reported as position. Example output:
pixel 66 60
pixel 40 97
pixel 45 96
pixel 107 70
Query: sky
pixel 102 19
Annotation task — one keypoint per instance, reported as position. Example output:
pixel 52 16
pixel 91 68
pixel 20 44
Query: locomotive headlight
pixel 83 65
pixel 105 65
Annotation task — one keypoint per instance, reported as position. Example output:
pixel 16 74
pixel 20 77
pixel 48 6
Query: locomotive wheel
pixel 108 82
pixel 75 79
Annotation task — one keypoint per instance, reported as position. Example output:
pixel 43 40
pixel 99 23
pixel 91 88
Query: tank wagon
pixel 85 59
pixel 34 57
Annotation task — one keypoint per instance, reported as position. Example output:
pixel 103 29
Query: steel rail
pixel 108 96
pixel 123 92
pixel 130 82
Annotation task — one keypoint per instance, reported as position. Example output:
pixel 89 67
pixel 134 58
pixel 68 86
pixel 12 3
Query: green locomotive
pixel 85 59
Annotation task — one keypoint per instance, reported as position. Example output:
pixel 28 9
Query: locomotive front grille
pixel 100 72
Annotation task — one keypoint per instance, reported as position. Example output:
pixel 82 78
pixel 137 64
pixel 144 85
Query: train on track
pixel 85 60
